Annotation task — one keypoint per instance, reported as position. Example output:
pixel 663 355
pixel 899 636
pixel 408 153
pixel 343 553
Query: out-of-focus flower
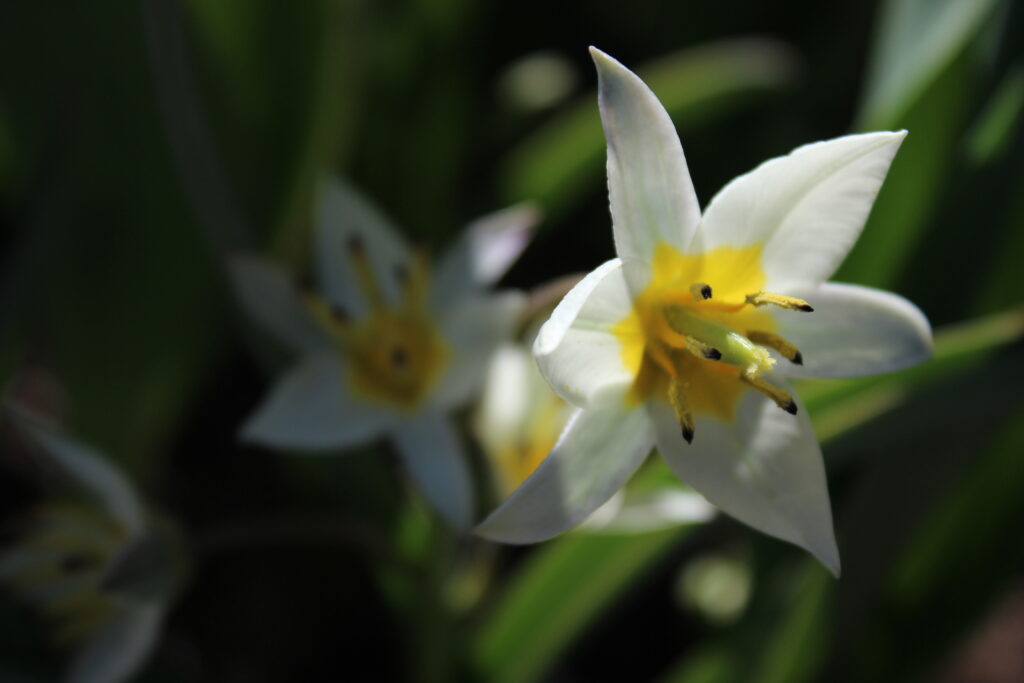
pixel 386 346
pixel 519 417
pixel 101 568
pixel 682 341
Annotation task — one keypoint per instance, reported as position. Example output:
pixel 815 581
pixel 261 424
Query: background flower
pixel 386 345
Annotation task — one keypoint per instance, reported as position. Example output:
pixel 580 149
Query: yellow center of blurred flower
pixel 395 354
pixel 60 564
pixel 696 338
pixel 517 458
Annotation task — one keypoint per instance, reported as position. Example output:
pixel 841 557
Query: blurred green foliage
pixel 141 142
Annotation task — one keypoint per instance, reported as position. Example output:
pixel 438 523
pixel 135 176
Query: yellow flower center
pixel 518 457
pixel 74 544
pixel 395 354
pixel 696 338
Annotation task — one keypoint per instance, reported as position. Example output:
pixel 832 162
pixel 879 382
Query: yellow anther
pixel 780 396
pixel 774 341
pixel 330 317
pixel 702 350
pixel 364 272
pixel 677 399
pixel 700 291
pixel 790 302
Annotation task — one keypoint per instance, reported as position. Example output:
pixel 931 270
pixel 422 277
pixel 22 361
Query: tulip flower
pixel 386 346
pixel 686 339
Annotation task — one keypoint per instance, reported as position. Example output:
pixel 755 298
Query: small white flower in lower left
pixel 385 346
pixel 101 567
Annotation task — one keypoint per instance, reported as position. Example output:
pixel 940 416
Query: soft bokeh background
pixel 140 142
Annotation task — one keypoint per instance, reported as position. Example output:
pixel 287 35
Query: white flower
pixel 102 568
pixel 688 335
pixel 386 347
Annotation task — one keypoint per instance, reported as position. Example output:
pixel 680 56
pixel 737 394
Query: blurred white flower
pixel 519 418
pixel 687 335
pixel 101 568
pixel 386 346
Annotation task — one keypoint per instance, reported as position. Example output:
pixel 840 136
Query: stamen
pixel 790 302
pixel 677 398
pixel 700 291
pixel 774 341
pixel 414 279
pixel 702 350
pixel 331 317
pixel 781 397
pixel 364 272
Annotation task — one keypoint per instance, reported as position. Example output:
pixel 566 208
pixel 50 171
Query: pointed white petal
pixel 806 209
pixel 576 350
pixel 652 197
pixel 436 461
pixel 271 299
pixel 343 215
pixel 119 649
pixel 484 251
pixel 765 470
pixel 474 328
pixel 854 331
pixel 598 452
pixel 88 468
pixel 312 408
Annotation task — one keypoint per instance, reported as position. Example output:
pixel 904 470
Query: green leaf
pixel 992 133
pixel 922 78
pixel 564 587
pixel 916 41
pixel 562 162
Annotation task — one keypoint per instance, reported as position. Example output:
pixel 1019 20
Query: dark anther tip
pixel 790 407
pixel 339 313
pixel 705 291
pixel 713 354
pixel 798 359
pixel 402 274
pixel 398 357
pixel 355 244
pixel 688 434
pixel 806 308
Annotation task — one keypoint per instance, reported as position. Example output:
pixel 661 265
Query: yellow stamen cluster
pixel 395 354
pixel 699 348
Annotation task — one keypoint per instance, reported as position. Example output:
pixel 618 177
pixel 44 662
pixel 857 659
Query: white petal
pixel 806 209
pixel 598 452
pixel 474 328
pixel 484 251
pixel 436 461
pixel 311 408
pixel 652 197
pixel 576 350
pixel 343 215
pixel 270 297
pixel 854 331
pixel 88 468
pixel 119 649
pixel 649 511
pixel 765 470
